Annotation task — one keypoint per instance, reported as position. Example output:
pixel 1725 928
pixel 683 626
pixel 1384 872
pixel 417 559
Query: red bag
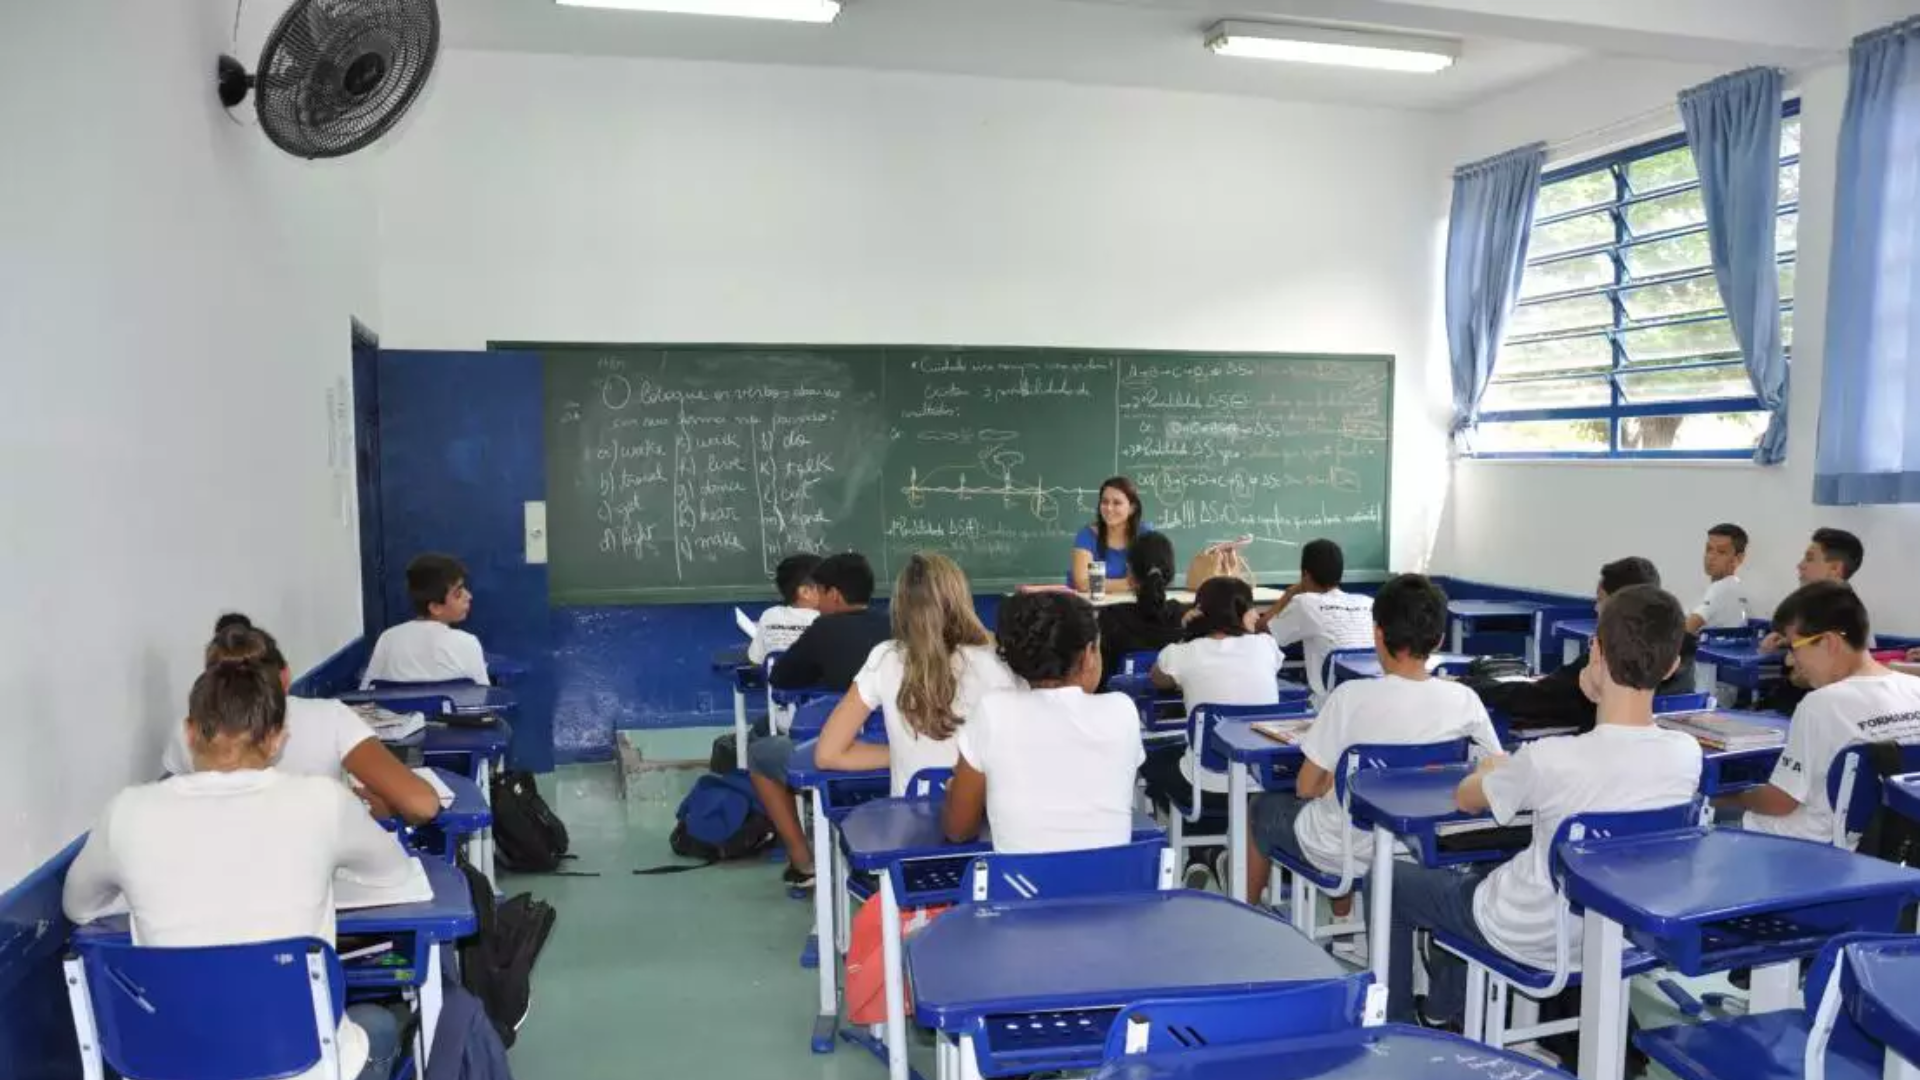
pixel 866 960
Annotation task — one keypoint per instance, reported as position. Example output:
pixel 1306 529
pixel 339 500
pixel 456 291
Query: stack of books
pixel 1720 731
pixel 1285 731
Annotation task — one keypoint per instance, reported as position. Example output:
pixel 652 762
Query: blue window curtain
pixel 1733 127
pixel 1869 445
pixel 1486 250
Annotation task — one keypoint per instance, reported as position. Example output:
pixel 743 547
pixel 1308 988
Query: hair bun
pixel 232 620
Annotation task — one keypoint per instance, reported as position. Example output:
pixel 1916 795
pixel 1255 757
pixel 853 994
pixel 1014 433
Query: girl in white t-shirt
pixel 237 851
pixel 1222 662
pixel 926 681
pixel 1052 766
pixel 323 738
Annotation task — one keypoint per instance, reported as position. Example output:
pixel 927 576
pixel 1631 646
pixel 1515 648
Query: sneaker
pixel 1198 877
pixel 1352 948
pixel 796 878
pixel 1420 1017
pixel 1223 869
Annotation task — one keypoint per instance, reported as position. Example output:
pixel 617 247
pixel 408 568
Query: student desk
pixel 1738 663
pixel 1706 900
pixel 1390 1052
pixel 1467 615
pixel 1725 772
pixel 1246 750
pixel 1880 983
pixel 466 816
pixel 1902 795
pixel 1148 698
pixel 827 786
pixel 1412 804
pixel 875 835
pixel 745 676
pixel 424 933
pixel 1573 636
pixel 1367 666
pixel 1053 975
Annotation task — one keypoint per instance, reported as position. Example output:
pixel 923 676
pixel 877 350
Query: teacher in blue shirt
pixel 1116 524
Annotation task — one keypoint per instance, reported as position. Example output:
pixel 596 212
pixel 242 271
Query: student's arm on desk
pixel 1287 635
pixel 91 888
pixel 1695 623
pixel 1503 800
pixel 391 785
pixel 1765 800
pixel 966 805
pixel 364 849
pixel 840 748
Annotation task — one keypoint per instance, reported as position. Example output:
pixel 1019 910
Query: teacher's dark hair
pixel 1125 487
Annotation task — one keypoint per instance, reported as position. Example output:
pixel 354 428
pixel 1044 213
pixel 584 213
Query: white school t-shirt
pixel 425 651
pixel 979 671
pixel 1060 767
pixel 1322 623
pixel 1725 605
pixel 1243 670
pixel 228 858
pixel 320 735
pixel 779 627
pixel 1390 711
pixel 1862 709
pixel 1609 769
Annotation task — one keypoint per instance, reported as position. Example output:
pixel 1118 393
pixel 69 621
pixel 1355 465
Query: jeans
pixel 768 757
pixel 1430 899
pixel 1273 816
pixel 382 1026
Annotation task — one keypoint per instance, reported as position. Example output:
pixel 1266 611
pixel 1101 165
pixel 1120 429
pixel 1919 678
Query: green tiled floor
pixel 684 975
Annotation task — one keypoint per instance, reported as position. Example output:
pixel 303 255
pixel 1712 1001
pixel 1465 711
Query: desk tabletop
pixel 1738 654
pixel 1903 796
pixel 1409 800
pixel 884 831
pixel 1492 609
pixel 447 917
pixel 1673 882
pixel 1237 740
pixel 458 697
pixel 1391 1052
pixel 1578 629
pixel 469 811
pixel 1881 987
pixel 981 959
pixel 464 739
pixel 1368 666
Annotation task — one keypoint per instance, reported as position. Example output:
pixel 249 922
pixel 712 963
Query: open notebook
pixel 1286 731
pixel 351 893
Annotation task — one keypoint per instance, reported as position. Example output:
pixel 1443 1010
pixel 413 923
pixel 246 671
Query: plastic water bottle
pixel 1097 579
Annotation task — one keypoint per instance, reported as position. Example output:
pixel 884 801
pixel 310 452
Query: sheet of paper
pixel 745 624
pixel 351 893
pixel 439 786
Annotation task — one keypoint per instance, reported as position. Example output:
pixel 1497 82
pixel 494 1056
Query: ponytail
pixel 1150 562
pixel 933 617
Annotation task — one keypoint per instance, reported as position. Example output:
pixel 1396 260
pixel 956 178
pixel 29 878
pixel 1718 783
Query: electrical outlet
pixel 536 518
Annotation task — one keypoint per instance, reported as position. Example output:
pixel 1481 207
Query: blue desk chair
pixel 1203 758
pixel 1139 662
pixel 227 1012
pixel 810 718
pixel 1855 791
pixel 1492 976
pixel 1811 1043
pixel 1307 880
pixel 1162 1025
pixel 1330 670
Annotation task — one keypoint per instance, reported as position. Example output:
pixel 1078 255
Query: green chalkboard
pixel 678 472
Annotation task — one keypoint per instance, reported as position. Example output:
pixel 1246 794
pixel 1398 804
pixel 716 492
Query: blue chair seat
pixel 1320 878
pixel 1636 962
pixel 1768 1046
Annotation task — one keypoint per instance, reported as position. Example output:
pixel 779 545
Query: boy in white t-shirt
pixel 1406 706
pixel 1625 763
pixel 1318 615
pixel 1855 699
pixel 782 624
pixel 1051 765
pixel 1724 606
pixel 429 649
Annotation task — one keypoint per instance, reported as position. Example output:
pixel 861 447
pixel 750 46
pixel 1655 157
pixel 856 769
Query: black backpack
pixel 528 837
pixel 496 963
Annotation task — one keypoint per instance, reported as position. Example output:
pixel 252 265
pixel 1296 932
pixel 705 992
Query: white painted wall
pixel 175 299
pixel 549 198
pixel 1552 524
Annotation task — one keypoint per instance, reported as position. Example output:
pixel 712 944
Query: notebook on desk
pixel 350 893
pixel 1717 732
pixel 390 726
pixel 1282 731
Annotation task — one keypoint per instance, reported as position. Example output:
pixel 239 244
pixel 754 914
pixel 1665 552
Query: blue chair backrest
pixel 1135 663
pixel 226 1012
pixel 1200 724
pixel 1846 1036
pixel 1669 704
pixel 1162 1025
pixel 1851 778
pixel 1332 663
pixel 928 784
pixel 810 718
pixel 1141 866
pixel 1361 757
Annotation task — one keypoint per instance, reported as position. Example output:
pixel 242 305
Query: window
pixel 1619 345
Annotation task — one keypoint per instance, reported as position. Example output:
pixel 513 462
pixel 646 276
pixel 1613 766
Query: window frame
pixel 1619 410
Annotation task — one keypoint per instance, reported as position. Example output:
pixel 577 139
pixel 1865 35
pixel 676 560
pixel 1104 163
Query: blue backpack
pixel 720 819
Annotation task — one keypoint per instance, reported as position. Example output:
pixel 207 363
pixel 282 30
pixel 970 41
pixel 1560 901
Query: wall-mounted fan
pixel 337 74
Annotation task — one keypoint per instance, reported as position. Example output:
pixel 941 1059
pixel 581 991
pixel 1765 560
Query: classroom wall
pixel 1551 524
pixel 175 298
pixel 622 200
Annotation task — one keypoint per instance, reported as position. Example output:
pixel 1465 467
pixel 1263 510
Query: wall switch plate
pixel 536 513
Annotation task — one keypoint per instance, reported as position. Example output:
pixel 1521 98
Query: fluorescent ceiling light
pixel 1341 47
pixel 813 11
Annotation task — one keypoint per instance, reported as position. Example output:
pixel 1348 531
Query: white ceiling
pixel 1157 43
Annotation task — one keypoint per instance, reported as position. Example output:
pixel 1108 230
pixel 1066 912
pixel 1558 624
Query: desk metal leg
pixel 1237 777
pixel 1775 987
pixel 1380 904
pixel 828 1019
pixel 1459 635
pixel 1706 677
pixel 946 1056
pixel 1603 1001
pixel 483 840
pixel 891 965
pixel 1569 650
pixel 968 1061
pixel 740 728
pixel 431 996
pixel 1899 1068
